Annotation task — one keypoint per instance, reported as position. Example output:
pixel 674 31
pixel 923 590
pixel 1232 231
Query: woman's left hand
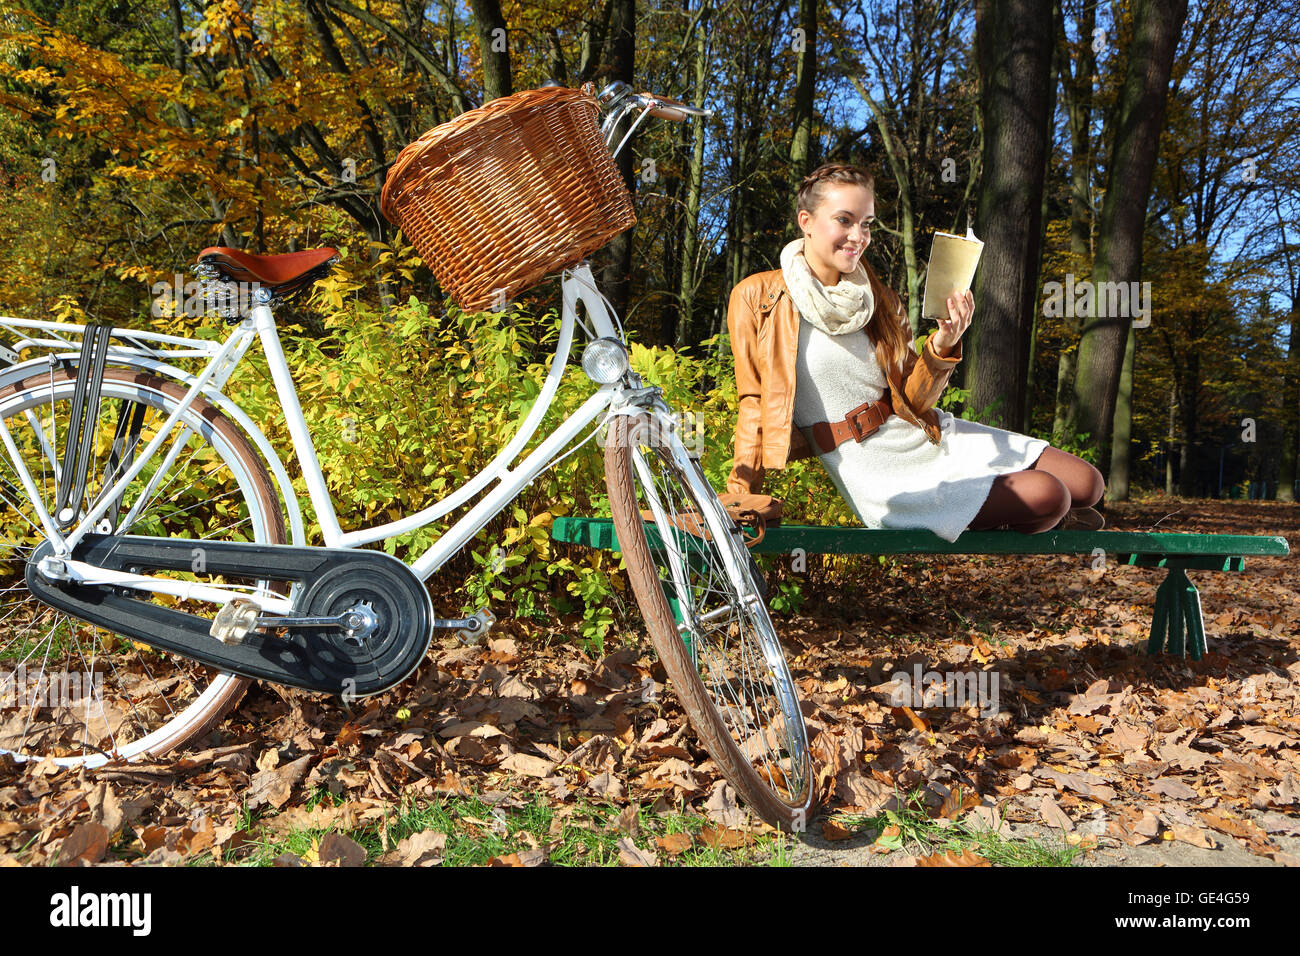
pixel 951 329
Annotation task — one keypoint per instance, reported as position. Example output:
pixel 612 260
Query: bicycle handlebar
pixel 618 99
pixel 666 107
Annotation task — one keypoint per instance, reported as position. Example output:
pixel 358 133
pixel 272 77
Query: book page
pixel 953 260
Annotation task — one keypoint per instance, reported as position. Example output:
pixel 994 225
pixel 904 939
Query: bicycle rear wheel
pixel 68 689
pixel 707 618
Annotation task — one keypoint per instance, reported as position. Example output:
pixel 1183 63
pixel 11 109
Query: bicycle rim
pixel 70 690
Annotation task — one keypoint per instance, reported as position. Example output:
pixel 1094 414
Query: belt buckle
pixel 851 419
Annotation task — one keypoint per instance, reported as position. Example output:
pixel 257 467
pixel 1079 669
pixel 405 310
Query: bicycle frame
pixel 577 284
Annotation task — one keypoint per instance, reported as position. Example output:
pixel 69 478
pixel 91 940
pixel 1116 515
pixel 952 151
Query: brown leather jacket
pixel 764 326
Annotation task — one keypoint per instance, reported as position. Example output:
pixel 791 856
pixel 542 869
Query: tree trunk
pixel 620 45
pixel 805 88
pixel 1076 91
pixel 1026 414
pixel 1139 120
pixel 1013 46
pixel 493 48
pixel 695 185
pixel 1117 484
pixel 1286 473
pixel 1171 440
pixel 1188 424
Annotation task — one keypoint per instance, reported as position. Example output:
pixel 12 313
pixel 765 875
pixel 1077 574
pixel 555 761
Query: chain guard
pixel 319 659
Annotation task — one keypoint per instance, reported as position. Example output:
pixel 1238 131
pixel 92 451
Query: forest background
pixel 1149 141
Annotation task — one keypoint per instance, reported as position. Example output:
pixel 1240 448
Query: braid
pixel 815 184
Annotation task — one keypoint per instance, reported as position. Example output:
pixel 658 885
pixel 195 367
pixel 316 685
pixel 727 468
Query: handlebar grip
pixel 668 113
pixel 665 107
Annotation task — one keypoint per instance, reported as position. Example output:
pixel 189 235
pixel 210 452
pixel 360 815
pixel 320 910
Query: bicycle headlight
pixel 604 360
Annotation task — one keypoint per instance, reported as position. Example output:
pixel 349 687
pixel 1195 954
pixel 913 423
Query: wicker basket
pixel 506 193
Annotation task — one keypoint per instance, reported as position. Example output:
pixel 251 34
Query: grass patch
pixel 580 834
pixel 922 835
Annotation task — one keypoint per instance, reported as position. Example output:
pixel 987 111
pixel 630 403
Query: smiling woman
pixel 809 382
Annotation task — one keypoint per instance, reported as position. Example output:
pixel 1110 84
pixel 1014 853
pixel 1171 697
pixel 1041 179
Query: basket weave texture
pixel 504 194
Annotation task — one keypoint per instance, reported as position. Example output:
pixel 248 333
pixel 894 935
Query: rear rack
pixel 63 339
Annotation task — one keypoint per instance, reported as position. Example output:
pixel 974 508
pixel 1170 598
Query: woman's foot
pixel 1082 519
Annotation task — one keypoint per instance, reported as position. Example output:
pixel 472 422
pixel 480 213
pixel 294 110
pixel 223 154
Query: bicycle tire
pixel 728 725
pixel 39 399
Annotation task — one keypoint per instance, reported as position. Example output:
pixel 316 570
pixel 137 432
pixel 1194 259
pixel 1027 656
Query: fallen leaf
pixel 523 858
pixel 528 765
pixel 1052 815
pixel 632 855
pixel 968 858
pixel 419 849
pixel 889 839
pixel 721 807
pixel 274 786
pixel 627 821
pixel 1261 737
pixel 344 850
pixel 1169 787
pixel 833 831
pixel 724 838
pixel 86 844
pixel 906 717
pixel 674 843
pixel 1196 836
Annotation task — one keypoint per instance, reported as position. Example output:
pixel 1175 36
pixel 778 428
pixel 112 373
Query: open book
pixel 952 269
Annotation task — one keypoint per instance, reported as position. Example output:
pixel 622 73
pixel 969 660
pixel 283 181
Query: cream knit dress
pixel 896 478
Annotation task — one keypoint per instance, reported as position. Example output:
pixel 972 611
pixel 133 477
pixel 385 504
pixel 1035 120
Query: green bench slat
pixel 599 533
pixel 1177 621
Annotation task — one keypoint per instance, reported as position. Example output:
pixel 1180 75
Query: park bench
pixel 1177 623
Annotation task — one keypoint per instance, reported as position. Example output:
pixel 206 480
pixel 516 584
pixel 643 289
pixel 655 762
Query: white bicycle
pixel 152 544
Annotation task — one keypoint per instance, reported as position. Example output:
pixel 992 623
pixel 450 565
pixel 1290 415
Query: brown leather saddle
pixel 284 275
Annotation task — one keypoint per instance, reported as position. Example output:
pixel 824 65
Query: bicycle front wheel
pixel 68 689
pixel 706 616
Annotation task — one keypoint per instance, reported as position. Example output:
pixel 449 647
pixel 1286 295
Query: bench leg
pixel 1177 620
pixel 1195 621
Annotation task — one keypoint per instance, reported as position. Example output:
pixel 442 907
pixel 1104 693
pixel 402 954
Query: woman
pixel 810 382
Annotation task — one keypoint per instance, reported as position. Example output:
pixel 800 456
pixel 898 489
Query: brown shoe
pixel 1082 519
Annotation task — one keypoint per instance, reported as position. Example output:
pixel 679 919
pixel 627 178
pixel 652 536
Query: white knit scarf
pixel 844 307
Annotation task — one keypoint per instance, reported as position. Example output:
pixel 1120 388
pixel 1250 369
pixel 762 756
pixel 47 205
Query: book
pixel 953 260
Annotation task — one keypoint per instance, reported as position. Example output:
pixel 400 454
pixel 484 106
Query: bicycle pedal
pixel 484 619
pixel 234 621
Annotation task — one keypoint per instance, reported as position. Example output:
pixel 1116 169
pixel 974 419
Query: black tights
pixel 1038 498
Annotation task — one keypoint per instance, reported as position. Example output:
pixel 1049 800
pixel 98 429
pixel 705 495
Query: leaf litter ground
pixel 528 750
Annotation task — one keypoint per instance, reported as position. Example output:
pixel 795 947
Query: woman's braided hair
pixel 891 339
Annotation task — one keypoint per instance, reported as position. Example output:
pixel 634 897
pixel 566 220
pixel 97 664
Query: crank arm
pixel 239 618
pixel 471 630
pixel 348 621
pixel 340 621
pixel 448 623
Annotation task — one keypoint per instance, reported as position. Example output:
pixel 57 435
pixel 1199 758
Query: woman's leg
pixel 1083 480
pixel 1038 498
pixel 1029 501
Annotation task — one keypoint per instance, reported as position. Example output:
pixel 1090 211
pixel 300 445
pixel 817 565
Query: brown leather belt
pixel 858 423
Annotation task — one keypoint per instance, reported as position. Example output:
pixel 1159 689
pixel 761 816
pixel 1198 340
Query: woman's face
pixel 838 231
